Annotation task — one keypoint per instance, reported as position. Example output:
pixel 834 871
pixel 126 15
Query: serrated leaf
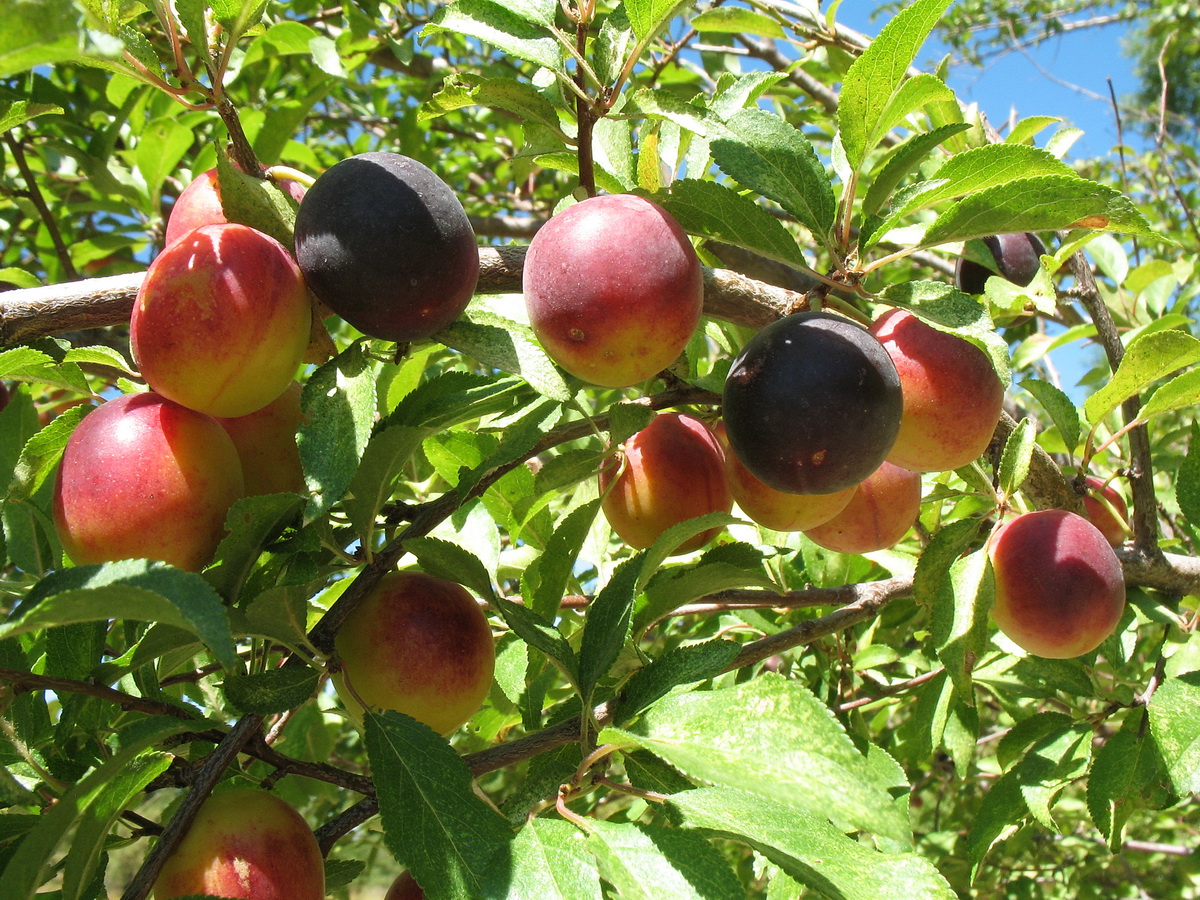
pixel 279 613
pixel 19 277
pixel 1044 203
pixel 773 738
pixel 763 152
pixel 808 848
pixel 41 454
pixel 520 436
pixel 673 588
pixel 337 412
pixel 627 419
pixel 1062 411
pixel 1017 456
pixel 1176 730
pixel 382 464
pixel 607 625
pixel 550 861
pixel 546 579
pixel 101 356
pixel 960 618
pixel 903 161
pixel 1187 481
pixel 648 862
pixel 683 665
pixel 255 202
pixel 523 100
pixel 1120 781
pixel 712 210
pixel 1181 392
pixel 943 550
pixel 1025 129
pixel 657 103
pixel 130 589
pixel 873 79
pixel 442 559
pixel 341 872
pixel 728 20
pixel 432 820
pixel 912 94
pixel 17 112
pixel 507 27
pixel 648 17
pixel 456 397
pixel 250 524
pixel 274 691
pixel 1147 359
pixel 159 149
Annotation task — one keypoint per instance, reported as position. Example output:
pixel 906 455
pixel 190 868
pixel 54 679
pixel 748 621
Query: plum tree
pixel 812 404
pixel 199 204
pixel 418 645
pixel 405 887
pixel 143 477
pixel 1017 256
pixel 221 321
pixel 672 470
pixel 266 445
pixel 952 396
pixel 386 245
pixel 245 844
pixel 613 288
pixel 1106 509
pixel 1060 590
pixel 879 513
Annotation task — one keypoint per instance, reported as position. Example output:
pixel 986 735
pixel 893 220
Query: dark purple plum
pixel 813 404
pixel 386 245
pixel 1017 257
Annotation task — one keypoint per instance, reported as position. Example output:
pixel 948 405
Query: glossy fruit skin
pixel 418 645
pixel 404 887
pixel 952 397
pixel 881 511
pixel 221 321
pixel 1060 590
pixel 812 405
pixel 199 204
pixel 1114 528
pixel 674 470
pixel 1018 258
pixel 613 289
pixel 245 844
pixel 386 245
pixel 266 445
pixel 143 477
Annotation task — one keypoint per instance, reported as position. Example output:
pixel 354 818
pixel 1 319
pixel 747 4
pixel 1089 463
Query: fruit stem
pixel 287 173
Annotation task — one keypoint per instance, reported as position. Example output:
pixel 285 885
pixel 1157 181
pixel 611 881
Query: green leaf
pixel 337 413
pixel 658 103
pixel 766 154
pixel 274 691
pixel 1176 730
pixel 649 862
pixel 1045 203
pixel 773 738
pixel 432 820
pixel 41 454
pixel 255 202
pixel 159 150
pixel 649 17
pixel 545 581
pixel 341 872
pixel 904 160
pixel 38 32
pixel 945 547
pixel 523 100
pixel 101 356
pixel 17 112
pixel 672 588
pixel 375 481
pixel 681 666
pixel 607 625
pixel 507 27
pixel 251 524
pixel 960 618
pixel 456 397
pixel 238 16
pixel 442 559
pixel 280 613
pixel 872 81
pixel 1187 482
pixel 727 20
pixel 912 94
pixel 1062 411
pixel 808 848
pixel 130 589
pixel 1146 360
pixel 1181 392
pixel 550 861
pixel 712 210
pixel 1123 777
pixel 1017 456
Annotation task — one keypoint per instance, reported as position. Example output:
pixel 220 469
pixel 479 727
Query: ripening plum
pixel 405 887
pixel 386 245
pixel 266 444
pixel 952 396
pixel 200 204
pixel 1060 590
pixel 245 844
pixel 1106 509
pixel 614 289
pixel 878 515
pixel 1017 255
pixel 813 404
pixel 221 321
pixel 143 477
pixel 418 645
pixel 673 470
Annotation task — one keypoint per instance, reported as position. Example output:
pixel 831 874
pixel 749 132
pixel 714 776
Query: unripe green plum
pixel 221 321
pixel 386 245
pixel 418 645
pixel 882 510
pixel 1060 590
pixel 812 404
pixel 405 887
pixel 1106 509
pixel 199 204
pixel 248 845
pixel 1017 255
pixel 673 470
pixel 614 289
pixel 143 477
pixel 266 444
pixel 952 396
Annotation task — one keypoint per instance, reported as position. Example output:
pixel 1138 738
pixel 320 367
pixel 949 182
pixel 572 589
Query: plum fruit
pixel 1017 255
pixel 386 245
pixel 879 513
pixel 200 204
pixel 405 887
pixel 221 321
pixel 418 645
pixel 143 477
pixel 245 844
pixel 673 470
pixel 614 289
pixel 812 405
pixel 266 444
pixel 952 395
pixel 1060 590
pixel 4 396
pixel 1106 509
